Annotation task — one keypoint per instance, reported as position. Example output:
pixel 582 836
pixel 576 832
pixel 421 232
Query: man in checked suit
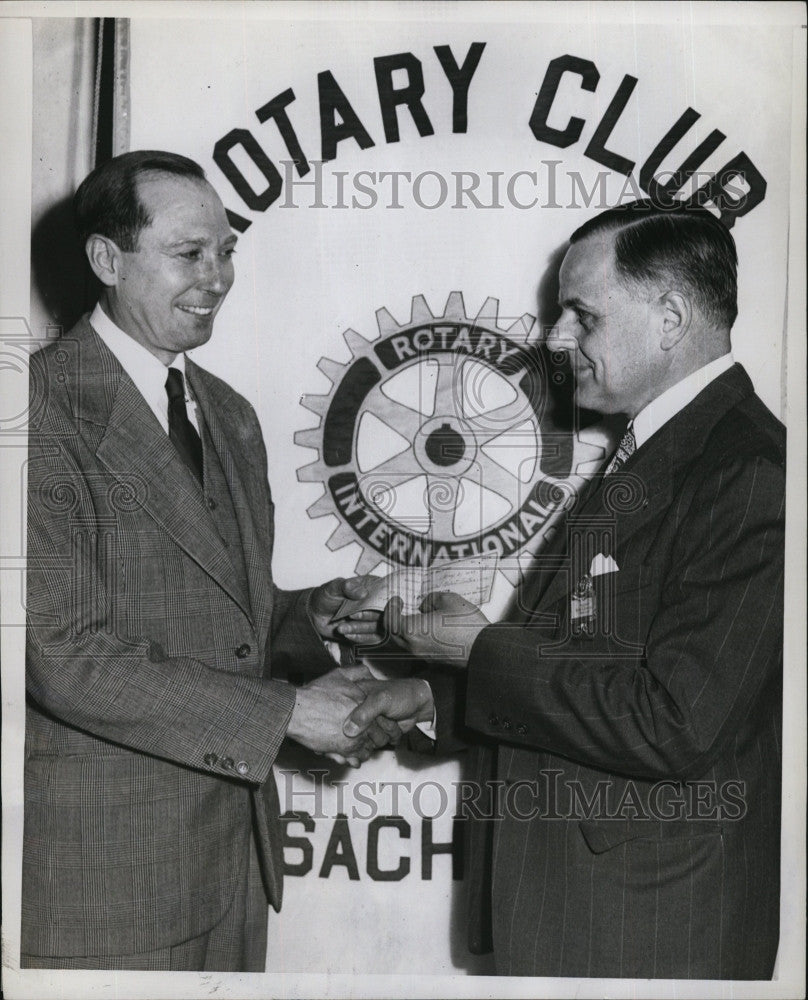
pixel 158 644
pixel 625 718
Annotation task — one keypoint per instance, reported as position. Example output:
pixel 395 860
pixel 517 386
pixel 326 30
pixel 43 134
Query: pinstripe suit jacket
pixel 153 717
pixel 640 767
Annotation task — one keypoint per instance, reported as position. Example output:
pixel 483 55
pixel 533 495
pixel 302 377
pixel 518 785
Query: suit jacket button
pixel 211 503
pixel 521 729
pixel 493 720
pixel 506 723
pixel 242 767
pixel 227 763
pixel 243 651
pixel 211 759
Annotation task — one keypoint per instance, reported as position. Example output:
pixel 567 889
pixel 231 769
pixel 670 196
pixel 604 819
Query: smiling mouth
pixel 197 310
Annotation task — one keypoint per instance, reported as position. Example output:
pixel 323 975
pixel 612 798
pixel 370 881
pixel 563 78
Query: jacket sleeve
pixel 297 650
pixel 451 734
pixel 712 644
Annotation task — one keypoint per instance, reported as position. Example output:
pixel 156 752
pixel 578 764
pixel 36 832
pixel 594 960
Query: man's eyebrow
pixel 200 241
pixel 573 303
pixel 186 240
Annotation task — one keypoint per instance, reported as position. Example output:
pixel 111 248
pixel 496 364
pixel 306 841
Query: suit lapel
pixel 237 457
pixel 643 488
pixel 542 571
pixel 132 441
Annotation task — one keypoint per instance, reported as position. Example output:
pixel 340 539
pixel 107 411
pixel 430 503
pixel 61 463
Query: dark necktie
pixel 180 429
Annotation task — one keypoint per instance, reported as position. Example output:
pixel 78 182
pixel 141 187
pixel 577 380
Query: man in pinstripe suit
pixel 625 718
pixel 157 642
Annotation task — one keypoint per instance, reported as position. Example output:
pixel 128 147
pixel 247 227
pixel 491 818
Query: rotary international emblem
pixel 431 440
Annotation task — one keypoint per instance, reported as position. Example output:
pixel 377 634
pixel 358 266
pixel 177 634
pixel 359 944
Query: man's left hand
pixel 326 600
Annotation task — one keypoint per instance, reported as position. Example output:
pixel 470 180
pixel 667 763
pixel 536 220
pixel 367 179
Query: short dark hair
pixel 654 244
pixel 107 200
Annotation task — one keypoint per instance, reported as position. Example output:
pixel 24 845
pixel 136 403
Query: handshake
pixel 348 713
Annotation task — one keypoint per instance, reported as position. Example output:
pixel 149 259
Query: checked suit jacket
pixel 157 646
pixel 638 768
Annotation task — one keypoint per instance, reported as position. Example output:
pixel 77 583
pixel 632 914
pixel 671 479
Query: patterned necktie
pixel 180 429
pixel 626 448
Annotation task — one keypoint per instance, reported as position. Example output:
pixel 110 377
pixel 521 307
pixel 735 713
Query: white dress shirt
pixel 147 372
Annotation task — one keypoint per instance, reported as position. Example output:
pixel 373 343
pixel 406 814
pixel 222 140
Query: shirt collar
pixel 145 370
pixel 660 410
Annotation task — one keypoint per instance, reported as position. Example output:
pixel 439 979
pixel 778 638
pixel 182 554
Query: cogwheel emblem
pixel 434 443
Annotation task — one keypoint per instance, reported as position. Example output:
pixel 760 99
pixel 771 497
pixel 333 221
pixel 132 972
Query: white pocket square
pixel 602 564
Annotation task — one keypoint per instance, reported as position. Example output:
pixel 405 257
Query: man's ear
pixel 677 314
pixel 105 259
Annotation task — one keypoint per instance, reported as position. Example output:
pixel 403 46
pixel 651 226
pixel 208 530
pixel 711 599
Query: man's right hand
pixel 406 700
pixel 321 708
